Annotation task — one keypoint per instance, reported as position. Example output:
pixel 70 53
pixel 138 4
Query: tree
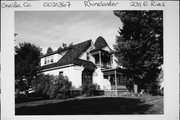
pixel 27 62
pixel 139 46
pixel 59 87
pixel 64 45
pixel 41 84
pixel 49 50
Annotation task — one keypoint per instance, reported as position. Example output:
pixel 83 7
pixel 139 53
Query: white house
pixel 85 62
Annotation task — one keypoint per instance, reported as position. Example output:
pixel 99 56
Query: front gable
pixel 107 48
pixel 86 53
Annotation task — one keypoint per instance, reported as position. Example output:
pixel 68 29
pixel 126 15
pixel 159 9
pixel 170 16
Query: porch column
pixel 116 82
pixel 111 61
pixel 100 58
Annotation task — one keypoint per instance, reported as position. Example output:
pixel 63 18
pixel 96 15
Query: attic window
pixel 88 57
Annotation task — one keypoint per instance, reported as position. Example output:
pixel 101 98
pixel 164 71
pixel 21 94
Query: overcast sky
pixel 52 28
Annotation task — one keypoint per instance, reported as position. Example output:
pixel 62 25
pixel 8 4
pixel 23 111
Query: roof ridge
pixel 82 42
pixel 84 48
pixel 78 51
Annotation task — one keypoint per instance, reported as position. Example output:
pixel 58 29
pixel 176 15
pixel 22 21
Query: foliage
pixel 75 93
pixel 89 89
pixel 49 50
pixel 139 46
pixel 41 84
pixel 27 59
pixel 59 87
pixel 64 45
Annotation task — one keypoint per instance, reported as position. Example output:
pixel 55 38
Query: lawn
pixel 93 106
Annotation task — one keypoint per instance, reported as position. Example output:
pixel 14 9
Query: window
pixel 45 60
pixel 61 73
pixel 88 57
pixel 51 59
pixel 48 60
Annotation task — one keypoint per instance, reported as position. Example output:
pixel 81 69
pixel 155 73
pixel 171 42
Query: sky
pixel 52 28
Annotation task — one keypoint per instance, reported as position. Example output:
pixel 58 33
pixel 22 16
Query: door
pixel 86 77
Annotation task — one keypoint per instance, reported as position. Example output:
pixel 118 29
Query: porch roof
pixel 112 71
pixel 103 51
pixel 86 64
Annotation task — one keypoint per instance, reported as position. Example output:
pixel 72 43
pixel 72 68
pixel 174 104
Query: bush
pixel 59 88
pixel 75 93
pixel 90 89
pixel 97 92
pixel 41 85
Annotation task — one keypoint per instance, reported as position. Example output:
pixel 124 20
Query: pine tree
pixel 139 46
pixel 49 50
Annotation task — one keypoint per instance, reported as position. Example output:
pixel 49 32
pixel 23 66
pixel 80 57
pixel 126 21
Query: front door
pixel 86 77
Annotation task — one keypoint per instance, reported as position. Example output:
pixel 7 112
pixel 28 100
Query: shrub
pixel 59 88
pixel 97 92
pixel 41 85
pixel 75 93
pixel 90 89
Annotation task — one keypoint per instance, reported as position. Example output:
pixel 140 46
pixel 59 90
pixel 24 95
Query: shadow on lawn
pixel 92 106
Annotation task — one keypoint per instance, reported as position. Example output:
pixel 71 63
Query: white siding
pixel 73 73
pixel 99 80
pixel 56 57
pixel 114 64
pixel 42 61
pixel 107 49
pixel 84 55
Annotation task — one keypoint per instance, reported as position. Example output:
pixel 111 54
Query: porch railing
pixel 104 65
pixel 113 87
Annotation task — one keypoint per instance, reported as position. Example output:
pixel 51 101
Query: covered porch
pixel 115 77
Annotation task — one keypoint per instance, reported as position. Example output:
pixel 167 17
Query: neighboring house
pixel 85 62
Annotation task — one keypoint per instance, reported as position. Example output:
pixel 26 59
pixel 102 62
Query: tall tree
pixel 64 45
pixel 27 61
pixel 139 46
pixel 49 50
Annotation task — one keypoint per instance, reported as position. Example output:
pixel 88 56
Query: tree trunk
pixel 135 88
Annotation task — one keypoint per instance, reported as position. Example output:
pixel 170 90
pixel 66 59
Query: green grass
pixel 93 106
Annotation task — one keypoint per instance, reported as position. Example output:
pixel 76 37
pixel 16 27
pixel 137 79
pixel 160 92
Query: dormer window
pixel 48 60
pixel 51 59
pixel 45 60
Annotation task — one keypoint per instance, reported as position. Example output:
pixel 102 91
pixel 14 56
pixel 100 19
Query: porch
pixel 118 85
pixel 102 58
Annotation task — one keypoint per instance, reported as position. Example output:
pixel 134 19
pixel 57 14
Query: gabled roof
pixel 74 53
pixel 57 51
pixel 71 56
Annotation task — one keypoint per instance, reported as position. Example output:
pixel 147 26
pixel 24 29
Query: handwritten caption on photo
pixel 84 3
pixel 147 4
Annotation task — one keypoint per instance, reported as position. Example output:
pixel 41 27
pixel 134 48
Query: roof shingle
pixel 100 43
pixel 71 56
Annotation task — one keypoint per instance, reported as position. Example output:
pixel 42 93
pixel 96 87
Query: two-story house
pixel 85 62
